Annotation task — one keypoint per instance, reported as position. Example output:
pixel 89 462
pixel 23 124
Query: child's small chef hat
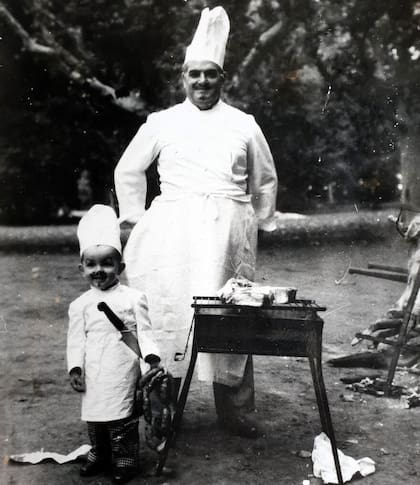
pixel 99 226
pixel 210 38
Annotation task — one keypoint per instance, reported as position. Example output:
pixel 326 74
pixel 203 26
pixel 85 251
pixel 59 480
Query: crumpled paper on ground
pixel 39 456
pixel 324 467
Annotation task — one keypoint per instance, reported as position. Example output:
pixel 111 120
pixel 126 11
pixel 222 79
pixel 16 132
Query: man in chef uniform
pixel 218 186
pixel 101 365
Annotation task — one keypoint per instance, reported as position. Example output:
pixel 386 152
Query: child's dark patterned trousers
pixel 115 442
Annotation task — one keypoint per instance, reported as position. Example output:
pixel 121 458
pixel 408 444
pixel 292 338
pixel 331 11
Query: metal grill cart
pixel 290 329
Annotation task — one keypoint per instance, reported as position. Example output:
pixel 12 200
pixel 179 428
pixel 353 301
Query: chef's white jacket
pixel 218 184
pixel 111 369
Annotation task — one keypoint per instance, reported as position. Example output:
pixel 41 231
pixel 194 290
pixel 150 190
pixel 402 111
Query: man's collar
pixel 191 106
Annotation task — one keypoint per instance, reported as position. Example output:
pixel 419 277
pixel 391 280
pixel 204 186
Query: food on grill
pixel 284 294
pixel 240 291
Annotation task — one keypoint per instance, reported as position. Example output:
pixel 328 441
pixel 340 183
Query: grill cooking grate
pixel 216 302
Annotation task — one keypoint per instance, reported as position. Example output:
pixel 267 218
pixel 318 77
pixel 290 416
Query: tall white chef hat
pixel 210 38
pixel 99 226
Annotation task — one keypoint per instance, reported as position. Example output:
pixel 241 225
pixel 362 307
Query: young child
pixel 101 366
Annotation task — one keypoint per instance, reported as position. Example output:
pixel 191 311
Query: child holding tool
pixel 109 329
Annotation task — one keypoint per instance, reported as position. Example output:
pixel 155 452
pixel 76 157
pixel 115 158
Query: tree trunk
pixel 410 164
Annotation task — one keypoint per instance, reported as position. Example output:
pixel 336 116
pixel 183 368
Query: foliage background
pixel 333 85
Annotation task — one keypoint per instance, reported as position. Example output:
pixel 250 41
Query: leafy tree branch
pixel 75 68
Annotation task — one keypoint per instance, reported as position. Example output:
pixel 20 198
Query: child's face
pixel 101 266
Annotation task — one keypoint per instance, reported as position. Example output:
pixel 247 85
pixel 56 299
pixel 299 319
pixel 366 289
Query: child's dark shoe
pixel 123 475
pixel 91 468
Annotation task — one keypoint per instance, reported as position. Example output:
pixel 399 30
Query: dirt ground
pixel 39 409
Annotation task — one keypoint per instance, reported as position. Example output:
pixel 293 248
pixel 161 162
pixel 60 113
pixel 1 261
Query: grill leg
pixel 314 356
pixel 176 423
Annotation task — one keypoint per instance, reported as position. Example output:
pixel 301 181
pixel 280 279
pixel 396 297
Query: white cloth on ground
pixel 324 465
pixel 39 456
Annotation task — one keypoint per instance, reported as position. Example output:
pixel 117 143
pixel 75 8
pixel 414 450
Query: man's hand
pixel 394 313
pixel 77 381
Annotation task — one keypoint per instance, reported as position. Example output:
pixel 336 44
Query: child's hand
pixel 77 381
pixel 150 375
pixel 154 361
pixel 156 365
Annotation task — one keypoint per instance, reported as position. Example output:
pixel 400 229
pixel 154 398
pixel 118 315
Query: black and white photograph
pixel 210 242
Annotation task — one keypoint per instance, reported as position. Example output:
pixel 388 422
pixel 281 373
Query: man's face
pixel 203 81
pixel 101 266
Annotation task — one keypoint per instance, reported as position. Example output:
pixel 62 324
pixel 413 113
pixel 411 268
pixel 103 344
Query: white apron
pixel 111 369
pixel 216 175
